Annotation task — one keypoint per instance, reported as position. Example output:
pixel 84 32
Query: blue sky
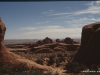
pixel 54 19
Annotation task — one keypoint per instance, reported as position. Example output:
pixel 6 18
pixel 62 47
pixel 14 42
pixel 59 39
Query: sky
pixel 53 19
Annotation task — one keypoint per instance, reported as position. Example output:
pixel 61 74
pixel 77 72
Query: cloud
pixel 40 23
pixel 93 8
pixel 29 28
pixel 80 22
pixel 53 31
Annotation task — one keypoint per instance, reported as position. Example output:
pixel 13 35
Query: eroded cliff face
pixel 89 52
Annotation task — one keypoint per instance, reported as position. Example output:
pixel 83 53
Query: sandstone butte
pixel 7 57
pixel 89 52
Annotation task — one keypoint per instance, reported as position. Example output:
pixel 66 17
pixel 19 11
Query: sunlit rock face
pixel 89 52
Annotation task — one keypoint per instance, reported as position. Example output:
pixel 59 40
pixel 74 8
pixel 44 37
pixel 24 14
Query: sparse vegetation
pixel 54 58
pixel 75 67
pixel 20 70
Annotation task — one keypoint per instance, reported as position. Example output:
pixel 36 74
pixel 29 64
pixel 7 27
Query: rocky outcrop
pixel 66 44
pixel 58 40
pixel 68 40
pixel 59 49
pixel 44 50
pixel 40 42
pixel 62 47
pixel 89 52
pixel 47 41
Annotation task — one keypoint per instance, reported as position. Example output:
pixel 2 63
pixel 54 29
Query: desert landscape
pixel 48 57
pixel 50 38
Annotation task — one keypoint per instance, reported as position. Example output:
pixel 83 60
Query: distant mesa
pixel 89 52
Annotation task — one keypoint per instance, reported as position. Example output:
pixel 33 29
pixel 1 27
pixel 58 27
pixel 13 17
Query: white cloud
pixel 80 22
pixel 53 32
pixel 40 23
pixel 28 28
pixel 93 8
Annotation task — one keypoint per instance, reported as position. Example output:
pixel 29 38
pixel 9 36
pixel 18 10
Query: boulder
pixel 89 52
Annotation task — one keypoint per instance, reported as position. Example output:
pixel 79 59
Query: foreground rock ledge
pixel 7 57
pixel 89 52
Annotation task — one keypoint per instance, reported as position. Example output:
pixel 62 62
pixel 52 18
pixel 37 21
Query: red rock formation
pixel 47 41
pixel 58 40
pixel 59 49
pixel 89 52
pixel 44 50
pixel 68 40
pixel 52 45
pixel 40 42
